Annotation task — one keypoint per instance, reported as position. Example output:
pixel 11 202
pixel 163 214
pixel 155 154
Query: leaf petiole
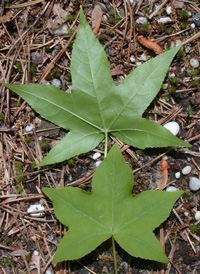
pixel 114 255
pixel 106 144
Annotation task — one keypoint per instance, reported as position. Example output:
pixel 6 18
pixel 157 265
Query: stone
pixel 194 184
pixel 194 63
pixel 56 83
pixel 171 188
pixel 36 207
pixel 177 175
pixel 186 170
pixel 141 20
pixel 197 216
pixel 173 127
pixel 196 19
pixel 96 156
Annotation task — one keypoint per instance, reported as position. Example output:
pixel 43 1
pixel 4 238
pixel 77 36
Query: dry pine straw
pixel 27 233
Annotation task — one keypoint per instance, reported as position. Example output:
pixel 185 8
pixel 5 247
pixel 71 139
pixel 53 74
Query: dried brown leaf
pixel 150 45
pixel 6 18
pixel 117 70
pixel 97 15
pixel 60 17
pixel 162 175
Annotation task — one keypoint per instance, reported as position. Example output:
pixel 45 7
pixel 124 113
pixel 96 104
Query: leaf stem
pixel 114 255
pixel 106 144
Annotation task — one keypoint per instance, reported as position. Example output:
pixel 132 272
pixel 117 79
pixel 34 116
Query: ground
pixel 31 51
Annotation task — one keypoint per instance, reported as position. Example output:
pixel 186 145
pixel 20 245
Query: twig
pixel 57 57
pixel 152 161
pixel 24 5
pixel 194 37
pixel 138 6
pixel 125 28
pixel 158 9
pixel 131 31
pixel 185 230
pixel 125 148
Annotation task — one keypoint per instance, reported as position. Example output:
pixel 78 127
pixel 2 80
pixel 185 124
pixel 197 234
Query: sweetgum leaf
pixel 110 210
pixel 97 106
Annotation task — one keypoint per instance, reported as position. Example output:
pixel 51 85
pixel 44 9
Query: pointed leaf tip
pixel 82 17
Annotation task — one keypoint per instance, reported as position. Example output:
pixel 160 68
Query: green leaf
pixel 97 106
pixel 110 210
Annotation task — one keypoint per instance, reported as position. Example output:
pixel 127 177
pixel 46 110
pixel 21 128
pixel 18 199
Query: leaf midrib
pixel 82 213
pixel 95 91
pixel 68 111
pixel 144 213
pixel 135 94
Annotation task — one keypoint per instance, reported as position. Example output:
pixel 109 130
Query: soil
pixel 31 52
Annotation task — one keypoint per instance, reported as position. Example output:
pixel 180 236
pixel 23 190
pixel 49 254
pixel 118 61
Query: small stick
pixel 185 230
pixel 126 24
pixel 194 37
pixel 131 31
pixel 152 161
pixel 57 57
pixel 138 6
pixel 24 5
pixel 158 9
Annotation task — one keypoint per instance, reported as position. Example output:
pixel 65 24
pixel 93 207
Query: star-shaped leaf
pixel 97 107
pixel 110 210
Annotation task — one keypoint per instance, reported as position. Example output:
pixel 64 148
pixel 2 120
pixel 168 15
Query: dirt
pixel 28 45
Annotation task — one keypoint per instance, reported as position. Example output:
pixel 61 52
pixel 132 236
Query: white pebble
pixel 186 213
pixel 193 26
pixel 61 30
pixel 187 49
pixel 165 86
pixel 194 63
pixel 45 82
pixel 141 20
pixel 132 59
pixel 197 216
pixel 56 83
pixel 177 175
pixel 36 207
pixel 143 57
pixel 96 156
pixel 168 9
pixel 29 128
pixel 172 75
pixel 98 163
pixel 164 20
pixel 138 64
pixel 171 189
pixel 194 184
pixel 36 253
pixel 173 127
pixel 186 170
